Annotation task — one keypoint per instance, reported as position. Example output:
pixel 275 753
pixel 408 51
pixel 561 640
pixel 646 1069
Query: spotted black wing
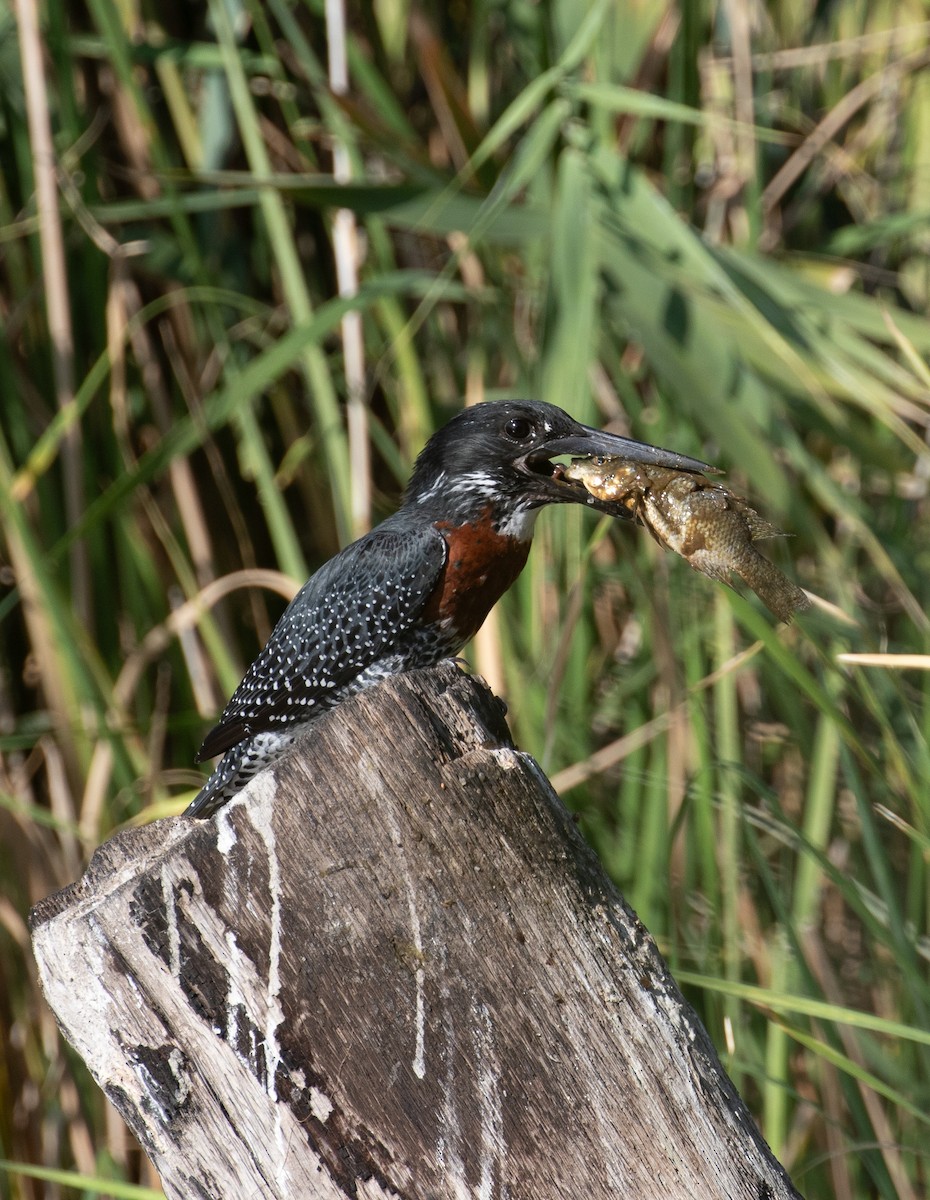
pixel 345 618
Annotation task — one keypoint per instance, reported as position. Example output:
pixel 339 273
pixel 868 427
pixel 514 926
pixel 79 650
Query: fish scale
pixel 711 527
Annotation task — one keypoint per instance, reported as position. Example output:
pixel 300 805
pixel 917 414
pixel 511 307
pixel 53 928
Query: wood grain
pixel 391 967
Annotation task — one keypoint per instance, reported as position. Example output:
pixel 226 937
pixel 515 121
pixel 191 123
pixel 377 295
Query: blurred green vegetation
pixel 705 223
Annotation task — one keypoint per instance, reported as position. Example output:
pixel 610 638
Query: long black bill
pixel 589 443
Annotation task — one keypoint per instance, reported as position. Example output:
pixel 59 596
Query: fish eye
pixel 519 429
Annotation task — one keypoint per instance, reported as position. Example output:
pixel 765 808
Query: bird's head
pixel 504 452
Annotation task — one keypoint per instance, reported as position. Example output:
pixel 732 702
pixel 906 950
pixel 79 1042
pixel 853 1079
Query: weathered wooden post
pixel 392 968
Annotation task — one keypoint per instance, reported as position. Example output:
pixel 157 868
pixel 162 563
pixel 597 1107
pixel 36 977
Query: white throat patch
pixel 519 524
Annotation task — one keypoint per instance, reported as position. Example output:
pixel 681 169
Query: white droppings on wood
pixel 419 1055
pixel 418 1065
pixel 507 759
pixel 222 945
pixel 320 1105
pixel 178 1070
pixel 91 1032
pixel 492 1154
pixel 260 810
pixel 225 830
pixel 108 1012
pixel 238 990
pixel 171 921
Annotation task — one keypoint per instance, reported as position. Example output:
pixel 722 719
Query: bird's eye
pixel 518 428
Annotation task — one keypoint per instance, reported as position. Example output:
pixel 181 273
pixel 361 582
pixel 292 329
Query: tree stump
pixel 391 967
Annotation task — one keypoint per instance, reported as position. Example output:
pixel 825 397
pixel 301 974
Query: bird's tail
pixel 235 769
